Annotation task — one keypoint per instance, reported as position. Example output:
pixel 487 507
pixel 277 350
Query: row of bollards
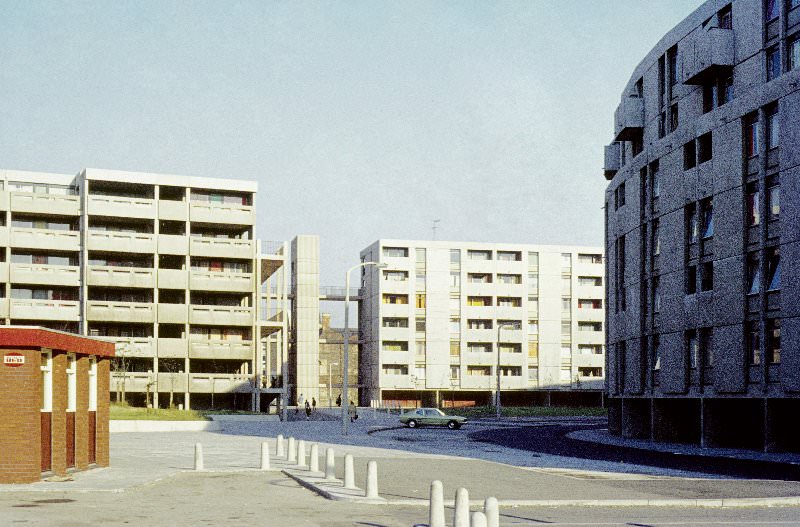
pixel 489 517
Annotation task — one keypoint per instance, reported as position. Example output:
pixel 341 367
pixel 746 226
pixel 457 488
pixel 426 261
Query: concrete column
pixel 372 480
pixel 436 505
pixel 330 464
pixel 292 457
pixel 461 514
pixel 478 519
pixel 198 456
pixel 492 511
pixel 314 461
pixel 264 456
pixel 349 472
pixel 279 450
pixel 301 454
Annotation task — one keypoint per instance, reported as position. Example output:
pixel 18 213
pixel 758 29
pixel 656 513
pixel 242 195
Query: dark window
pixel 725 90
pixel 692 227
pixel 751 135
pixel 640 88
pixel 753 342
pixel 707 214
pixel 773 198
pixel 724 18
pixel 773 269
pixel 662 124
pixel 619 196
pixel 706 347
pixel 692 347
pixel 709 97
pixel 689 155
pixel 672 59
pixel 656 241
pixel 753 274
pixel 771 10
pixel 772 127
pixel 707 278
pixel 620 279
pixel 793 50
pixel 753 205
pixel 705 148
pixel 637 145
pixel 773 63
pixel 673 117
pixel 773 338
pixel 691 280
pixel 655 180
pixel 656 294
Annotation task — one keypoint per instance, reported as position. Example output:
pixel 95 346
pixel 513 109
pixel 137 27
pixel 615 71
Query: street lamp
pixel 345 361
pixel 497 393
pixel 330 398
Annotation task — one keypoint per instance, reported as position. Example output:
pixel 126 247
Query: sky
pixel 359 120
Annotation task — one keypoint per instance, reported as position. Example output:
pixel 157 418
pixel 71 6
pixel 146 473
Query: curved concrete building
pixel 702 233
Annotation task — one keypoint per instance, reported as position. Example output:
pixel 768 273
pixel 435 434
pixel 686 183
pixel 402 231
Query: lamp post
pixel 497 393
pixel 345 361
pixel 330 398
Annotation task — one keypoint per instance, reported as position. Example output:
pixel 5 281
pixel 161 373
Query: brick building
pixel 53 403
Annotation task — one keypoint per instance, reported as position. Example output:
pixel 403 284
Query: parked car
pixel 431 416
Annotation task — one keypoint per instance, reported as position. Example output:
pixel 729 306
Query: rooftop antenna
pixel 435 226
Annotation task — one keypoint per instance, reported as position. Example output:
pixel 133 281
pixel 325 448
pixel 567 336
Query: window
pixel 705 148
pixel 511 371
pixel 510 347
pixel 590 281
pixel 655 180
pixel 566 330
pixel 479 301
pixel 389 298
pixel 395 252
pixel 656 295
pixel 420 324
pixel 455 303
pixel 479 371
pixel 707 213
pixel 533 260
pixel 692 348
pixel 753 274
pixel 692 231
pixel 455 348
pixel 656 241
pixel 691 279
pixel 513 325
pixel 773 198
pixel 479 278
pixel 725 90
pixel 773 63
pixel 566 258
pixel 584 303
pixel 420 280
pixel 724 18
pixel 772 128
pixel 771 10
pixel 753 341
pixel 566 304
pixel 479 347
pixel 619 282
pixel 420 255
pixel 479 323
pixel 673 117
pixel 689 155
pixel 707 276
pixel 455 373
pixel 590 326
pixel 773 338
pixel 395 276
pixel 533 304
pixel 706 347
pixel 533 373
pixel 420 301
pixel 395 322
pixel 419 348
pixel 753 197
pixel 455 279
pixel 479 255
pixel 590 349
pixel 533 282
pixel 672 61
pixel 533 327
pixel 751 135
pixel 395 345
pixel 590 258
pixel 455 256
pixel 619 196
pixel 509 256
pixel 509 278
pixel 656 343
pixel 395 369
pixel 773 269
pixel 455 325
pixel 509 301
pixel 533 349
pixel 793 49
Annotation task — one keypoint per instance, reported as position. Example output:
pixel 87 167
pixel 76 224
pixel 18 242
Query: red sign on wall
pixel 14 360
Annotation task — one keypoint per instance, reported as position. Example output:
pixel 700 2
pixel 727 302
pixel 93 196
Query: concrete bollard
pixel 330 464
pixel 301 454
pixel 198 456
pixel 372 480
pixel 314 461
pixel 264 456
pixel 436 505
pixel 478 519
pixel 492 511
pixel 461 515
pixel 279 450
pixel 349 472
pixel 292 455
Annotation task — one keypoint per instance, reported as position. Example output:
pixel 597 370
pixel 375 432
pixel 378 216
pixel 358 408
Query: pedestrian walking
pixel 314 404
pixel 299 404
pixel 339 400
pixel 352 411
pixel 308 411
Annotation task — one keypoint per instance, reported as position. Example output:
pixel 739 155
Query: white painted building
pixel 432 319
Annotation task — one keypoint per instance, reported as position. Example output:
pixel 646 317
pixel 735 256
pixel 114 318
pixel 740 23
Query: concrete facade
pixel 432 320
pixel 304 366
pixel 702 331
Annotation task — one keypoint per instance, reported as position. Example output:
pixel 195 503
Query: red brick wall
pixel 103 380
pixel 82 414
pixel 59 413
pixel 20 419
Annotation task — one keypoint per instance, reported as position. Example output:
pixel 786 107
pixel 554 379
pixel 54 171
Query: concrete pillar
pixel 301 454
pixel 436 505
pixel 314 461
pixel 330 464
pixel 372 480
pixel 279 450
pixel 492 511
pixel 349 472
pixel 461 514
pixel 264 456
pixel 292 456
pixel 478 519
pixel 198 456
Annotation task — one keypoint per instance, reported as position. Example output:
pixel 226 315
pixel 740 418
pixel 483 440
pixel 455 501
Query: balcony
pixel 221 281
pixel 172 279
pixel 59 275
pixel 477 289
pixel 221 315
pixel 611 160
pixel 221 349
pixel 172 348
pixel 397 310
pixel 480 335
pixel 221 247
pixel 388 381
pixel 45 239
pixel 173 210
pixel 173 244
pixel 173 382
pixel 478 382
pixel 3 307
pixel 132 347
pixel 121 276
pixel 220 382
pixel 589 337
pixel 590 315
pixel 121 207
pixel 132 381
pixel 405 334
pixel 25 309
pixel 204 212
pixel 36 203
pixel 173 314
pixel 129 242
pixel 629 119
pixel 709 54
pixel 132 312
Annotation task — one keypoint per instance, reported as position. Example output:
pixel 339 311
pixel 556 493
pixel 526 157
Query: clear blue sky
pixel 360 120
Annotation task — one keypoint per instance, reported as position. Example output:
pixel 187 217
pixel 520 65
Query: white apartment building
pixel 435 314
pixel 167 267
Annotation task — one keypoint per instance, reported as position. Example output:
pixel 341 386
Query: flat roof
pixel 39 337
pixel 149 178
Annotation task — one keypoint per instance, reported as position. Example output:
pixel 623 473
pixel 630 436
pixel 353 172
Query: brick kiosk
pixel 53 403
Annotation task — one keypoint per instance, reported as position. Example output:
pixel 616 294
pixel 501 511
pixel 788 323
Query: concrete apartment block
pixel 432 320
pixel 700 208
pixel 166 267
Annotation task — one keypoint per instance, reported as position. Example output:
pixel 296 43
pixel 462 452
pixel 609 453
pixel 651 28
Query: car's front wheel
pixel 412 424
pixel 453 425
